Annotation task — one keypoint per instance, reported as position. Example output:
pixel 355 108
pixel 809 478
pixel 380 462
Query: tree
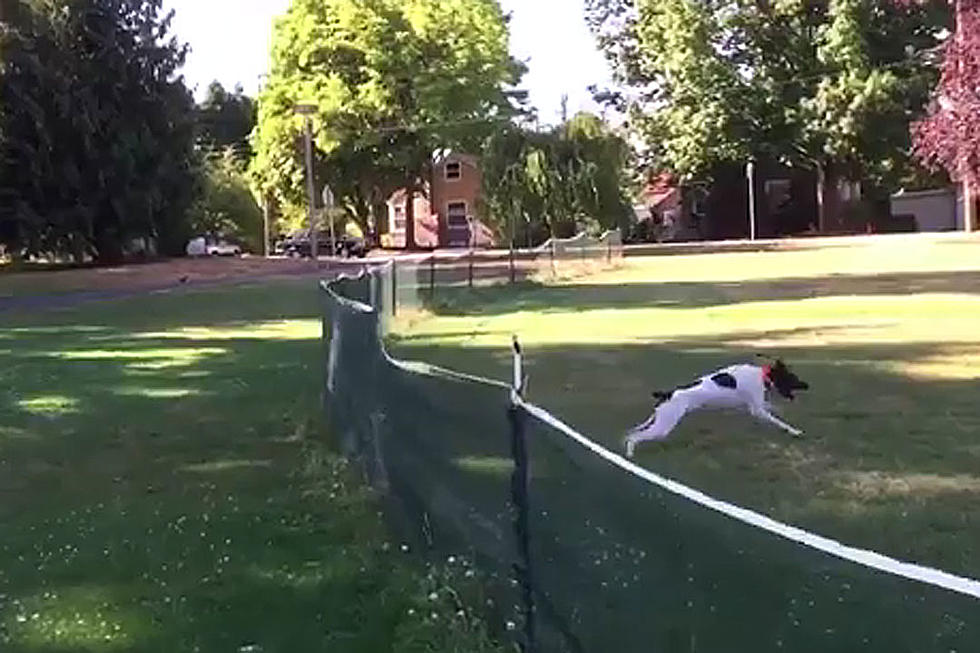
pixel 556 181
pixel 226 205
pixel 948 137
pixel 393 81
pixel 227 120
pixel 829 85
pixel 98 129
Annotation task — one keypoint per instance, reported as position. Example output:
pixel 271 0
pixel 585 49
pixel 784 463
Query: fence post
pixel 394 287
pixel 432 277
pixel 471 268
pixel 519 496
pixel 513 275
pixel 608 250
pixel 375 293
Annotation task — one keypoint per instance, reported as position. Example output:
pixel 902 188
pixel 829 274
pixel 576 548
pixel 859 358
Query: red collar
pixel 767 375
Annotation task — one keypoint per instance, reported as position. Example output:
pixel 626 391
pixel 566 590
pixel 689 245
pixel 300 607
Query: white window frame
pixel 466 212
pixel 445 170
pixel 395 229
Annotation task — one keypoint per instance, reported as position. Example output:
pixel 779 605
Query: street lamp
pixel 328 204
pixel 307 110
pixel 750 176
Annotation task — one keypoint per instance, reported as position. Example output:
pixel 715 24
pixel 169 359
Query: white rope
pixel 928 575
pixel 428 369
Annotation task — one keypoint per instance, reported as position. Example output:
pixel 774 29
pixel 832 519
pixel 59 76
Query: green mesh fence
pixel 627 561
pixel 435 444
pixel 414 282
pixel 611 556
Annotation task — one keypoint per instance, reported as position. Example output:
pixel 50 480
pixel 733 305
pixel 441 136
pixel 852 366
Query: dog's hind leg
pixel 657 427
pixel 761 413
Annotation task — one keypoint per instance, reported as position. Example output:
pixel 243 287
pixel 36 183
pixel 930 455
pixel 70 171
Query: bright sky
pixel 230 42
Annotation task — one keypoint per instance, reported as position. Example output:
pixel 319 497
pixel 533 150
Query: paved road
pixel 55 300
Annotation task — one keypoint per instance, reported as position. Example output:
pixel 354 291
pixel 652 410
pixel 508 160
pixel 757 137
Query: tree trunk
pixel 821 210
pixel 109 251
pixel 828 198
pixel 266 218
pixel 969 208
pixel 410 218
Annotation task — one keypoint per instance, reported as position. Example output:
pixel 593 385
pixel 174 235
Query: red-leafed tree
pixel 949 135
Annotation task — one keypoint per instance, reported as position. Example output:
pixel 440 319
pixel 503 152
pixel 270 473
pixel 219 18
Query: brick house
pixel 446 212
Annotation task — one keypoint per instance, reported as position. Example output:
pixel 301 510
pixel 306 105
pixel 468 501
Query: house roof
pixel 661 191
pixel 462 157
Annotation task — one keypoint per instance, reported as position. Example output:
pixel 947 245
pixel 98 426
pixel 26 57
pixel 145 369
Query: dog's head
pixel 784 380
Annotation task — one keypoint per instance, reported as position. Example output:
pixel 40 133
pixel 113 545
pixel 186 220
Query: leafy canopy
pixel 97 129
pixel 829 83
pixel 392 82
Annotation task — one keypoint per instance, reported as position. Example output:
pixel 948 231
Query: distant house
pixel 939 209
pixel 661 203
pixel 445 214
pixel 785 201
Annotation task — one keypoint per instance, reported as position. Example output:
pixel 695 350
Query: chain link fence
pixel 415 281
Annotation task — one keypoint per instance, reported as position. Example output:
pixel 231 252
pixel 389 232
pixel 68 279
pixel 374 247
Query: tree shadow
pixel 529 296
pixel 164 485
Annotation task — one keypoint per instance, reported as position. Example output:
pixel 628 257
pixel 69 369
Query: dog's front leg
pixel 760 412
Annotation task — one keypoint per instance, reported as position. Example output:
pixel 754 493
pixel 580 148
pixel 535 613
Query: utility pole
pixel 750 175
pixel 969 199
pixel 266 210
pixel 307 110
pixel 328 204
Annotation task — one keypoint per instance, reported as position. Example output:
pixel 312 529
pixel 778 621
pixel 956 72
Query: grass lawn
pixel 887 333
pixel 164 486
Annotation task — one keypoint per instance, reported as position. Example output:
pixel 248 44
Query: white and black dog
pixel 738 386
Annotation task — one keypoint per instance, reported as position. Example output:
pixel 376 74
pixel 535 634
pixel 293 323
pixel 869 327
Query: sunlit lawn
pixel 165 486
pixel 887 334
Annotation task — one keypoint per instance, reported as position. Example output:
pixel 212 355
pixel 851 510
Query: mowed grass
pixel 886 331
pixel 165 485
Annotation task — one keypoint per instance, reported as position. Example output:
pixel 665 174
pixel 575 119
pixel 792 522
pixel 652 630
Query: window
pixel 454 170
pixel 699 201
pixel 778 194
pixel 400 218
pixel 456 214
pixel 850 190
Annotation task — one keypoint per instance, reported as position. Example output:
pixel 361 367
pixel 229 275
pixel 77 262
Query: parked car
pixel 347 246
pixel 351 247
pixel 212 246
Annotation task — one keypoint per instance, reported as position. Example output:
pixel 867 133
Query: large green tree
pixel 226 205
pixel 392 81
pixel 553 182
pixel 98 129
pixel 828 84
pixel 226 120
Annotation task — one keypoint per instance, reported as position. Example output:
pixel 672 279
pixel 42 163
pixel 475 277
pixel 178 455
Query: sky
pixel 550 36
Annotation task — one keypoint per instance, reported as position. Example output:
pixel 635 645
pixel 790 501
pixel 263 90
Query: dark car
pixel 347 246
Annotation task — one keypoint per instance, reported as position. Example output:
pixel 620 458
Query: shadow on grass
pixel 164 486
pixel 529 296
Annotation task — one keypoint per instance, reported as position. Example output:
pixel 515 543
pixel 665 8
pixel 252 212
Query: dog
pixel 738 386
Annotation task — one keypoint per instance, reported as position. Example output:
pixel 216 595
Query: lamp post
pixel 307 110
pixel 328 203
pixel 266 209
pixel 750 176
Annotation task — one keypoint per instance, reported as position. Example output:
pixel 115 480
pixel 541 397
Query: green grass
pixel 887 334
pixel 165 486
